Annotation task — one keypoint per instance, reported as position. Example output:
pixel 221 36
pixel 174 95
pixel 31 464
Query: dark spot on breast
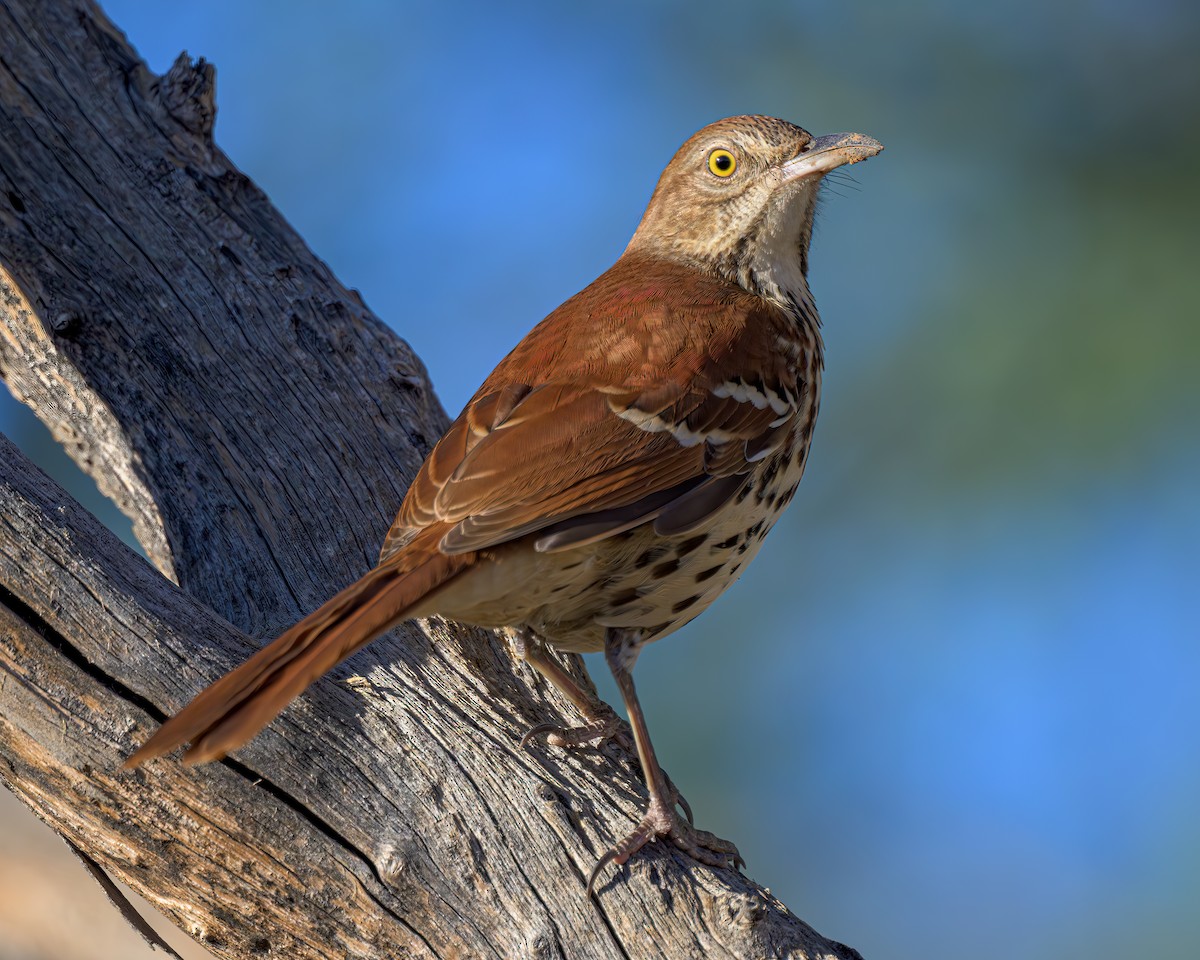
pixel 755 530
pixel 684 604
pixel 658 628
pixel 727 544
pixel 767 478
pixel 623 597
pixel 647 557
pixel 709 573
pixel 744 492
pixel 690 544
pixel 666 568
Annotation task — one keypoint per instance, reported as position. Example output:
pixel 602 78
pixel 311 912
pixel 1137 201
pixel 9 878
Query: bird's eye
pixel 722 163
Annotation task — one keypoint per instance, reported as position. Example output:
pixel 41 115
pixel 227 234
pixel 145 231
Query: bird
pixel 614 474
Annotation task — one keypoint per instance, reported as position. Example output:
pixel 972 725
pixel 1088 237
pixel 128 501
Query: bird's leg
pixel 621 648
pixel 601 724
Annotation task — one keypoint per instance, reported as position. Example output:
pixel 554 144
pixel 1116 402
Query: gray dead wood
pixel 260 425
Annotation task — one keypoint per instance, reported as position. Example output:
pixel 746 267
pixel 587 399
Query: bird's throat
pixel 774 261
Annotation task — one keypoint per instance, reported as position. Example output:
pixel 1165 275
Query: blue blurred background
pixel 954 709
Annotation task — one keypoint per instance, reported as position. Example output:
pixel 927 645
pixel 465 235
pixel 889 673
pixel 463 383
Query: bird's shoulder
pixel 616 394
pixel 645 321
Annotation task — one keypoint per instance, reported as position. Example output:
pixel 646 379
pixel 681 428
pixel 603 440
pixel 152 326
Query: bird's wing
pixel 654 413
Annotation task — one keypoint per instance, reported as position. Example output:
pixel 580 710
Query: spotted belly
pixel 651 583
pixel 636 580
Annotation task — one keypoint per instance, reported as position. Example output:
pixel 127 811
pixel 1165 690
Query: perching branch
pixel 259 425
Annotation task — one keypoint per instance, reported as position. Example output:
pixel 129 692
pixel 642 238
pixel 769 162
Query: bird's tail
pixel 231 711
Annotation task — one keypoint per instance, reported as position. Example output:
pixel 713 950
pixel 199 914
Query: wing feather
pixel 643 414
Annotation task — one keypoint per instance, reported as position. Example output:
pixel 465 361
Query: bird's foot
pixel 663 821
pixel 604 726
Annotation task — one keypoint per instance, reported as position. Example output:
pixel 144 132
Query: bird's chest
pixel 654 584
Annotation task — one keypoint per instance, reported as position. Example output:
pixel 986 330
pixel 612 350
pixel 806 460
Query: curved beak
pixel 828 153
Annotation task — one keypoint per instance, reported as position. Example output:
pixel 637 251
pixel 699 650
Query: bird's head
pixel 739 198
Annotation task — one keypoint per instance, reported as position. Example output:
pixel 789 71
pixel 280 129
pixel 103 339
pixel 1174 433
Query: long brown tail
pixel 231 711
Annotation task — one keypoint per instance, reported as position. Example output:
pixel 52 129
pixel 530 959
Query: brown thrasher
pixel 617 470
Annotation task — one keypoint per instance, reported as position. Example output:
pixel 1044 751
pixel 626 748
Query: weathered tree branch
pixel 259 425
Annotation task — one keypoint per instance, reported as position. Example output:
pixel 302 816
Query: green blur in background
pixel 954 708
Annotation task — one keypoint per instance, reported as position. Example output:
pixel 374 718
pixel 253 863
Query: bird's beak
pixel 828 153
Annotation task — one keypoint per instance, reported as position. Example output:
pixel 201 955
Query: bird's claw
pixel 663 821
pixel 605 728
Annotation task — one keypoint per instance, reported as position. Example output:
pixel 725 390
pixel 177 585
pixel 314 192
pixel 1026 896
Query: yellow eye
pixel 722 163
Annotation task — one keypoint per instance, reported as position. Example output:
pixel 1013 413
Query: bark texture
pixel 260 425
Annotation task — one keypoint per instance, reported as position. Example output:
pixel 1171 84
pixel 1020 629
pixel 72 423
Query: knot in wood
pixel 391 862
pixel 188 91
pixel 68 324
pixel 541 944
pixel 744 910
